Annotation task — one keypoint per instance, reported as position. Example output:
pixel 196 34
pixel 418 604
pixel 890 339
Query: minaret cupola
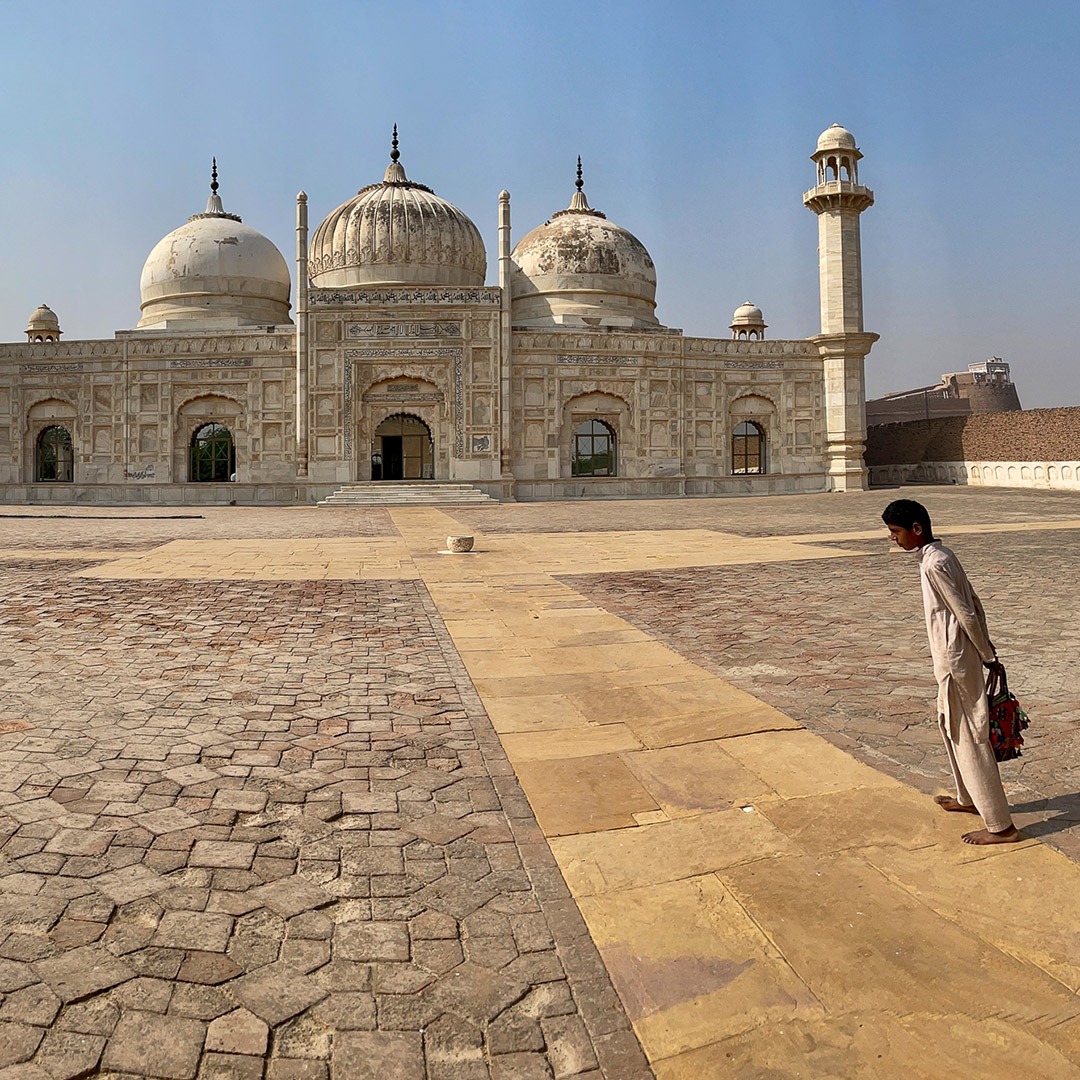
pixel 748 324
pixel 43 326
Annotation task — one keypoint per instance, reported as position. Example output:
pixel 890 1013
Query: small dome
pixel 579 269
pixel 214 270
pixel 836 138
pixel 396 232
pixel 747 314
pixel 43 321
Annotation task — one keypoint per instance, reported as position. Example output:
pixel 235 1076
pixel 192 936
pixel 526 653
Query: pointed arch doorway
pixel 402 449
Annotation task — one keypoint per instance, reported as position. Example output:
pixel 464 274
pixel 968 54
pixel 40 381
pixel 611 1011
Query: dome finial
pixel 214 207
pixel 578 203
pixel 395 171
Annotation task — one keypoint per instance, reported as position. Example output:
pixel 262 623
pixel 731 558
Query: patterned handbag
pixel 1007 719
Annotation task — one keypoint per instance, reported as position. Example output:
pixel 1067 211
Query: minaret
pixel 302 358
pixel 506 340
pixel 838 199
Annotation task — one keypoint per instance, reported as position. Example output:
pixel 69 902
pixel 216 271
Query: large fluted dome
pixel 214 271
pixel 396 232
pixel 579 269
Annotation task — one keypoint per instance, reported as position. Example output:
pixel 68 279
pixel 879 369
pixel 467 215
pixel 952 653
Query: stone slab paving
pixel 262 828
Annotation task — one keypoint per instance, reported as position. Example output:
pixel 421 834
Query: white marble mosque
pixel 391 355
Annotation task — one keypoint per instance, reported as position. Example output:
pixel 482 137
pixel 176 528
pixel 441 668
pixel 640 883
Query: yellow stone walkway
pixel 767 906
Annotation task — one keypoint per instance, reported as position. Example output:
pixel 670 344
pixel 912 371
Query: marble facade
pixel 393 319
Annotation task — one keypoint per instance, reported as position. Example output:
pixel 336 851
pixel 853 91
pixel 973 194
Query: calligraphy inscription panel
pixel 373 297
pixel 606 361
pixel 404 330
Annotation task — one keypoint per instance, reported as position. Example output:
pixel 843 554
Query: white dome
pixel 43 321
pixel 579 269
pixel 747 314
pixel 214 270
pixel 836 137
pixel 396 232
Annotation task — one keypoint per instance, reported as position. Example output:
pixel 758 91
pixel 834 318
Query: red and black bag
pixel 1007 719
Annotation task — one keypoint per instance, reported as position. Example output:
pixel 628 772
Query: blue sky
pixel 694 120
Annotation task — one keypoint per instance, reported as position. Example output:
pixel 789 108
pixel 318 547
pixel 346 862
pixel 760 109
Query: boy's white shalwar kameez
pixel 959 644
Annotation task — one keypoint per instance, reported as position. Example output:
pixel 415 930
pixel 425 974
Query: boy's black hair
pixel 906 513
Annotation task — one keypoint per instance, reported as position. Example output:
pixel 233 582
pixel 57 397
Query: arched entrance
pixel 402 449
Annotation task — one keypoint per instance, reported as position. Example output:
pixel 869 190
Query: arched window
pixel 213 455
pixel 748 449
pixel 593 452
pixel 54 459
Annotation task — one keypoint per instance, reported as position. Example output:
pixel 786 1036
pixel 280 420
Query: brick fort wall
pixel 1031 435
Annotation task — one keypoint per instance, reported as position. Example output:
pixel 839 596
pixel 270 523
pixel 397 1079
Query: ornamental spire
pixel 579 204
pixel 214 207
pixel 395 171
pixel 213 204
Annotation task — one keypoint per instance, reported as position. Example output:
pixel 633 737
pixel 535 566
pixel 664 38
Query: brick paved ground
pixel 137 528
pixel 777 516
pixel 840 645
pixel 257 829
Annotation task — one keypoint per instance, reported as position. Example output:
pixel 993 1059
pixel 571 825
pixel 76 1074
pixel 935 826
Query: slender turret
pixel 505 339
pixel 838 199
pixel 301 333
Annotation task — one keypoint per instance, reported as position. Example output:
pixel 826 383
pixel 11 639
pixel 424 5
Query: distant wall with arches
pixel 1033 448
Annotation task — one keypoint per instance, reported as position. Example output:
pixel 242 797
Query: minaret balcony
pixel 837 195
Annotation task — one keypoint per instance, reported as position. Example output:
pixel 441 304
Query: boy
pixel 959 645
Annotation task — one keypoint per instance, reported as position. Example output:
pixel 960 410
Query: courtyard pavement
pixel 636 788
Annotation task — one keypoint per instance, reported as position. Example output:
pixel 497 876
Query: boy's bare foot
pixel 947 802
pixel 985 836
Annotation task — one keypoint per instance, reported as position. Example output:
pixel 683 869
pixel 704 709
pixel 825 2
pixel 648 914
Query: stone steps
pixel 387 493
